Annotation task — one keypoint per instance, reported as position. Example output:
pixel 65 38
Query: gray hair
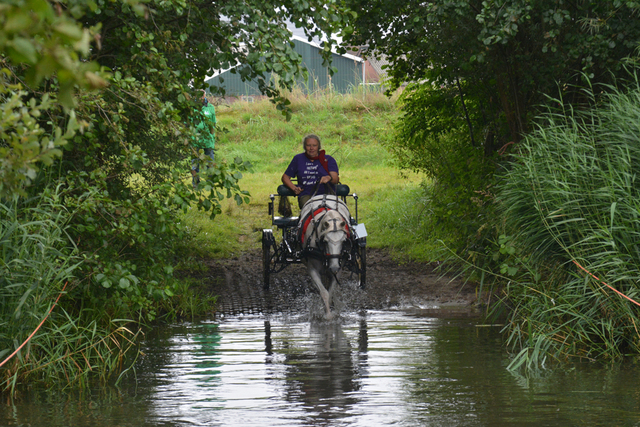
pixel 311 136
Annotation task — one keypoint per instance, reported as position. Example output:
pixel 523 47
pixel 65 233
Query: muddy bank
pixel 413 286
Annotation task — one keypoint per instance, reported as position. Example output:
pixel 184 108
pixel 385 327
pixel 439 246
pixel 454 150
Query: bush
pixel 430 139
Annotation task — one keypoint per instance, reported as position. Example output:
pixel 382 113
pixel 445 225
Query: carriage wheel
pixel 361 264
pixel 267 242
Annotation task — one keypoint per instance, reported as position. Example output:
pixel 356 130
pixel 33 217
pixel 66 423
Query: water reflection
pixel 321 373
pixel 207 357
pixel 382 368
pixel 180 373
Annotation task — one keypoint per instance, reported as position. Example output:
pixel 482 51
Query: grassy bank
pixel 354 130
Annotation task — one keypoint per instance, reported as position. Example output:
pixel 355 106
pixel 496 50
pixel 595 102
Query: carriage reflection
pixel 324 373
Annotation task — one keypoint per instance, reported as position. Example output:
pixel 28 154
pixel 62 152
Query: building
pixel 351 73
pixel 374 67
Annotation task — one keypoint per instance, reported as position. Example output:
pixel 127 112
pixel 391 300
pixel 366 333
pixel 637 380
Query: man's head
pixel 311 137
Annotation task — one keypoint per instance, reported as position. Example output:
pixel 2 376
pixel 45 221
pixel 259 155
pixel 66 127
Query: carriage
pixel 291 249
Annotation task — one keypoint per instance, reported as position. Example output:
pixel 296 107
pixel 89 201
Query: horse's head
pixel 332 234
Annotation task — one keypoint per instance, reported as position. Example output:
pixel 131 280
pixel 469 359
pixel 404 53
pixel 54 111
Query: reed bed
pixel 572 206
pixel 44 336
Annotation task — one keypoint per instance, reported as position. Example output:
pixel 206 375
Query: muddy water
pixel 395 368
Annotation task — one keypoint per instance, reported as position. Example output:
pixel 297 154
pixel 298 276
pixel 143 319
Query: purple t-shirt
pixel 309 173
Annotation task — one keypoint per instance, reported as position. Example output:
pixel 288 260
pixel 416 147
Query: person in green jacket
pixel 206 139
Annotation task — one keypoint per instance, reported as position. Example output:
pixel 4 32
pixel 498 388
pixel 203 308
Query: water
pixel 381 368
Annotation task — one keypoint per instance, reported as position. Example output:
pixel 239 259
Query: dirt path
pixel 238 282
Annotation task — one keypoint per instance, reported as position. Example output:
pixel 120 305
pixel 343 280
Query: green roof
pixel 349 73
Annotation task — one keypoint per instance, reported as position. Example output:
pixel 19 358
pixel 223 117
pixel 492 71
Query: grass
pixel 354 129
pixel 239 228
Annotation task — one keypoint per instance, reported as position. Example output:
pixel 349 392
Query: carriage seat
pixel 341 190
pixel 285 221
pixel 283 190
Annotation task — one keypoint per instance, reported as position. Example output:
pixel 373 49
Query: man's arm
pixel 333 178
pixel 286 180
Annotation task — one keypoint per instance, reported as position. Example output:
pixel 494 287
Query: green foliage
pixel 47 40
pixel 38 266
pixel 459 193
pixel 485 68
pixel 570 205
pixel 39 44
pixel 501 56
pixel 202 37
pixel 26 143
pixel 120 156
pixel 192 299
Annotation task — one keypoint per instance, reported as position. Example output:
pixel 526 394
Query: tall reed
pixel 572 205
pixel 37 261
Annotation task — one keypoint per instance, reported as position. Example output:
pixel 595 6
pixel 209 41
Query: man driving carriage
pixel 313 168
pixel 324 237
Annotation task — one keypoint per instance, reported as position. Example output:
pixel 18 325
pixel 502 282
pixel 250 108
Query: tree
pixel 501 56
pixel 127 145
pixel 477 73
pixel 38 43
pixel 97 109
pixel 50 49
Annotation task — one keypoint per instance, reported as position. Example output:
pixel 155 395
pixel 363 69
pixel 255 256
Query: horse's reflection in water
pixel 324 373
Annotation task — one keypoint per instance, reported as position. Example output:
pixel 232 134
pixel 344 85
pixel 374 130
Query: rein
pixel 327 186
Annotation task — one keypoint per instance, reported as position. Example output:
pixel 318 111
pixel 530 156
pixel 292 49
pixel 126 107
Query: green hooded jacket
pixel 206 138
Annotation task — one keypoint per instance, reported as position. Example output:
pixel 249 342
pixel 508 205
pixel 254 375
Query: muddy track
pixel 238 283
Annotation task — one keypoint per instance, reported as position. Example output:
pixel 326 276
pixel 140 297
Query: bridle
pixel 323 224
pixel 329 236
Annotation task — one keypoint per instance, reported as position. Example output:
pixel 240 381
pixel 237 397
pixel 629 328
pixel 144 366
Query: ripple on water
pixel 390 367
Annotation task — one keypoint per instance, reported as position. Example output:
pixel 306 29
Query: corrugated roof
pixel 377 64
pixel 301 39
pixel 312 43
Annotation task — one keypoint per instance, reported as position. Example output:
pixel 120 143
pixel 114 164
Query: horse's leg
pixel 333 283
pixel 314 266
pixel 332 271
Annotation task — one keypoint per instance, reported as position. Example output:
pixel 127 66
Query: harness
pixel 312 215
pixel 319 213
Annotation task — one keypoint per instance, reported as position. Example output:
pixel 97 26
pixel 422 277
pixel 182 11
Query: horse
pixel 324 227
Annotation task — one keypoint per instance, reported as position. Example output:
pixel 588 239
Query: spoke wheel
pixel 361 265
pixel 267 243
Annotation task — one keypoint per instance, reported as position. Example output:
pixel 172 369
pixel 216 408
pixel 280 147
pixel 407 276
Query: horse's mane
pixel 326 201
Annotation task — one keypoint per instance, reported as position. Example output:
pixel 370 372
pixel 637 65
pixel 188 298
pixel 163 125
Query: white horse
pixel 325 231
